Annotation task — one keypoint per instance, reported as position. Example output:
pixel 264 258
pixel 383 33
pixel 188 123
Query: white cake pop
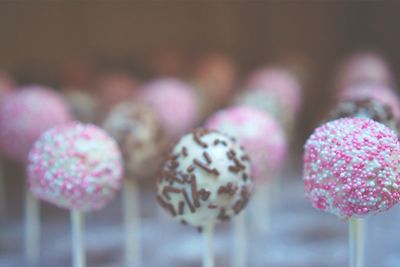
pixel 206 179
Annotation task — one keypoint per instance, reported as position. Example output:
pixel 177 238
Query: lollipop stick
pixel 239 256
pixel 356 242
pixel 32 229
pixel 78 253
pixel 132 255
pixel 2 192
pixel 208 255
pixel 260 211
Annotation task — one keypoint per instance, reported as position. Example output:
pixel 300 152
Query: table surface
pixel 299 236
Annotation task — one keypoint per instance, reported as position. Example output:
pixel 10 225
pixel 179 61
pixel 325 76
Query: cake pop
pixel 371 101
pixel 175 104
pixel 351 169
pixel 364 67
pixel 25 114
pixel 214 77
pixel 138 133
pixel 280 82
pixel 206 179
pixel 267 155
pixel 83 105
pixel 78 167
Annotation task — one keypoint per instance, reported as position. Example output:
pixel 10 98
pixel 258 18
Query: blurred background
pixel 44 42
pixel 88 45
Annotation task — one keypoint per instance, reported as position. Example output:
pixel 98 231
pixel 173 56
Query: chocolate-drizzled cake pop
pixel 138 133
pixel 369 101
pixel 206 179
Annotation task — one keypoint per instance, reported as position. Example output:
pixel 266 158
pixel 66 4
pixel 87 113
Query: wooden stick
pixel 261 209
pixel 78 246
pixel 32 229
pixel 208 253
pixel 239 257
pixel 356 242
pixel 132 254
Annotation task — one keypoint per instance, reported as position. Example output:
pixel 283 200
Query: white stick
pixel 208 253
pixel 32 229
pixel 239 257
pixel 3 197
pixel 132 254
pixel 261 209
pixel 78 246
pixel 356 242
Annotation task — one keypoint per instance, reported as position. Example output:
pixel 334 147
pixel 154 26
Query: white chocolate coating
pixel 206 179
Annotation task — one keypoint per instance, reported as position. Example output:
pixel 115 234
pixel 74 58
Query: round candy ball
pixel 369 101
pixel 279 82
pixel 351 167
pixel 259 133
pixel 83 105
pixel 75 166
pixel 138 133
pixel 266 102
pixel 175 104
pixel 206 179
pixel 25 114
pixel 364 67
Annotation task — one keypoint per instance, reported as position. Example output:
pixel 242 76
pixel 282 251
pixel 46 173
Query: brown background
pixel 38 37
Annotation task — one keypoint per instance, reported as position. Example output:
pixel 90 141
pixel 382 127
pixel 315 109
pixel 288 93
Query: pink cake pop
pixel 280 82
pixel 75 166
pixel 25 114
pixel 175 104
pixel 364 67
pixel 250 127
pixel 351 167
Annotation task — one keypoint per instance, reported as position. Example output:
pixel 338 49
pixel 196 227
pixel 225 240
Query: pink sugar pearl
pixel 175 104
pixel 351 167
pixel 75 166
pixel 280 83
pixel 260 134
pixel 25 114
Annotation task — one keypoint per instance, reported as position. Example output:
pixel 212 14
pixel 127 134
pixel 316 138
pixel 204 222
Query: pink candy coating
pixel 175 104
pixel 75 166
pixel 261 135
pixel 364 67
pixel 25 114
pixel 351 167
pixel 278 82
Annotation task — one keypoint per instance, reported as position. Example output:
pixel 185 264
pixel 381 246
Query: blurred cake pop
pixel 175 104
pixel 84 106
pixel 351 167
pixel 266 102
pixel 75 166
pixel 25 114
pixel 138 133
pixel 6 83
pixel 114 88
pixel 279 82
pixel 206 179
pixel 250 126
pixel 168 62
pixel 214 77
pixel 372 101
pixel 364 67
